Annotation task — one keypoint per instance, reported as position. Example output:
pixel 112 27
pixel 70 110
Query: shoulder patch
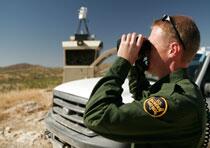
pixel 156 106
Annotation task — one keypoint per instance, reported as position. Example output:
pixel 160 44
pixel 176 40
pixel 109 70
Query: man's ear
pixel 174 49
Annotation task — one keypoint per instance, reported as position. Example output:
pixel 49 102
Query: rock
pixel 7 133
pixel 7 129
pixel 26 137
pixel 2 134
pixel 1 130
pixel 26 107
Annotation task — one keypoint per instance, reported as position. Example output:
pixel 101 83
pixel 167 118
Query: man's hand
pixel 130 47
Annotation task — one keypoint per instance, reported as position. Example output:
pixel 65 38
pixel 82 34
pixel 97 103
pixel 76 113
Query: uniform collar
pixel 178 75
pixel 171 78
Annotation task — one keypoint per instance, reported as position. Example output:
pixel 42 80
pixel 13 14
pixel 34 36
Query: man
pixel 168 114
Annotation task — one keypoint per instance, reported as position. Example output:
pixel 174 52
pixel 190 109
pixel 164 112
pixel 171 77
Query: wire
pixel 207 131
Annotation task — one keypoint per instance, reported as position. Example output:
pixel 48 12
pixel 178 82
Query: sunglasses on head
pixel 170 20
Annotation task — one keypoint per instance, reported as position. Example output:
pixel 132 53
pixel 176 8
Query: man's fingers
pixel 128 38
pixel 133 38
pixel 139 40
pixel 123 38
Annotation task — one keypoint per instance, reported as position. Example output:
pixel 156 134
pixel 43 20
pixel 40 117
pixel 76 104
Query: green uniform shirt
pixel 169 113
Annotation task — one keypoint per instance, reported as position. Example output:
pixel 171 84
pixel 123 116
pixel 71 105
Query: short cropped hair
pixel 188 31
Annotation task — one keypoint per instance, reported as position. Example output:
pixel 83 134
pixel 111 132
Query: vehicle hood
pixel 84 87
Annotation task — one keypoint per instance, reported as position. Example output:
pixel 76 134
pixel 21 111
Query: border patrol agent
pixel 168 114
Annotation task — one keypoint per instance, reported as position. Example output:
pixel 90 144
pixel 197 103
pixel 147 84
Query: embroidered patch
pixel 155 106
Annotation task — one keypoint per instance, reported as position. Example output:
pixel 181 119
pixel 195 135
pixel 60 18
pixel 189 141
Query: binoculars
pixel 143 55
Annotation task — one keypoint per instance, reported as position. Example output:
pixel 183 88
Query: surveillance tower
pixel 82 20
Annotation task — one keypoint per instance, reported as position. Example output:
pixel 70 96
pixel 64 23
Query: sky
pixel 32 31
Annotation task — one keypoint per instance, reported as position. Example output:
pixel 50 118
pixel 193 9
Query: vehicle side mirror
pixel 207 89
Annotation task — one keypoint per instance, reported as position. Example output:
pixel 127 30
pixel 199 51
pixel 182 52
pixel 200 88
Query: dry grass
pixel 10 99
pixel 41 96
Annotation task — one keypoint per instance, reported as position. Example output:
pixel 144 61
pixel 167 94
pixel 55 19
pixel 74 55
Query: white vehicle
pixel 65 120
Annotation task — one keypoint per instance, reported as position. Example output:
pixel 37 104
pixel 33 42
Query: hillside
pixel 27 76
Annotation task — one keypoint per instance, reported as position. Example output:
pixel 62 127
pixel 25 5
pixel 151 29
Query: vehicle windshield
pixel 195 66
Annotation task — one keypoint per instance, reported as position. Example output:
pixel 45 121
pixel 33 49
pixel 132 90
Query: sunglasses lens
pixel 164 17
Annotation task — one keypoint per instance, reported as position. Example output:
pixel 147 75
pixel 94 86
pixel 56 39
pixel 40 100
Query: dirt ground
pixel 22 116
